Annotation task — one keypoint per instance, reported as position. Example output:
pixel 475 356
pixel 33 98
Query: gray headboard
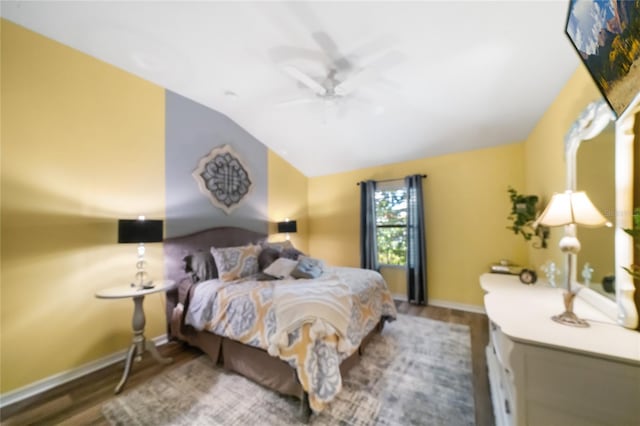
pixel 176 248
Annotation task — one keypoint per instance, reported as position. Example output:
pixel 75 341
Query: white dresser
pixel 545 373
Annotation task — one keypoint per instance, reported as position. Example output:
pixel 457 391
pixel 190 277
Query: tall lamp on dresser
pixel 570 209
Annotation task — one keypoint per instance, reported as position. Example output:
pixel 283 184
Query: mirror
pixel 595 174
pixel 592 123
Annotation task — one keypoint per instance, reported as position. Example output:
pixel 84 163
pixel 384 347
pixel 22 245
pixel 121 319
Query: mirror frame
pixel 591 122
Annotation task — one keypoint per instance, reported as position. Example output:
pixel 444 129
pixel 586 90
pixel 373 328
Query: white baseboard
pixel 445 304
pixel 66 376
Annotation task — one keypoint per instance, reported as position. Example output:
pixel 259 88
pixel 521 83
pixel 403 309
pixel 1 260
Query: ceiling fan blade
pixel 330 48
pixel 353 82
pixel 298 101
pixel 369 49
pixel 389 84
pixel 316 87
pixel 311 22
pixel 386 60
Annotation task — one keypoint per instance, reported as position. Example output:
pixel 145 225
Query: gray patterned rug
pixel 417 372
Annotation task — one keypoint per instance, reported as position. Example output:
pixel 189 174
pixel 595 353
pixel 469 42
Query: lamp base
pixel 142 277
pixel 569 318
pixel 145 286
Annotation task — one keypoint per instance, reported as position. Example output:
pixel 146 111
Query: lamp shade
pixel 571 207
pixel 139 231
pixel 288 226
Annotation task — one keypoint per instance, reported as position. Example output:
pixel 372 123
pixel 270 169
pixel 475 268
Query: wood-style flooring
pixel 79 402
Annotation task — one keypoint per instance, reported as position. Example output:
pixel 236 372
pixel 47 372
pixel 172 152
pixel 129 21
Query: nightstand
pixel 139 344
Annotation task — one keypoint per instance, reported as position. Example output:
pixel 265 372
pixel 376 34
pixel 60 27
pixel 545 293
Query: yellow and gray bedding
pixel 337 310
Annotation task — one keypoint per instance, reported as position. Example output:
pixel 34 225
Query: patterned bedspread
pixel 244 311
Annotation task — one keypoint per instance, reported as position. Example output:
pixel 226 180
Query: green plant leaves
pixel 523 214
pixel 634 269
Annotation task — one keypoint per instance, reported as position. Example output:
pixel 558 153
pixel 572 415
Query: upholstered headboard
pixel 176 248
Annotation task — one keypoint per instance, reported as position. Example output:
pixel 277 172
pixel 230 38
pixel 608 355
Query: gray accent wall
pixel 192 131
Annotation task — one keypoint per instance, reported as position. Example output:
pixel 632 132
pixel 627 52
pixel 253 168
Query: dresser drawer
pixel 501 390
pixel 502 346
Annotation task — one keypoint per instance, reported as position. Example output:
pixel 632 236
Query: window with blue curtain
pixel 416 242
pixel 392 230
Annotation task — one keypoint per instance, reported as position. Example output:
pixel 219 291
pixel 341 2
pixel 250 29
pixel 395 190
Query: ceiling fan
pixel 330 89
pixel 346 72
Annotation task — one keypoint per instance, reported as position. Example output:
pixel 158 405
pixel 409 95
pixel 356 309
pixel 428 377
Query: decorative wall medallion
pixel 223 178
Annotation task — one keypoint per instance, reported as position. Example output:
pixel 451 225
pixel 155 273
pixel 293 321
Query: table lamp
pixel 287 226
pixel 140 231
pixel 568 209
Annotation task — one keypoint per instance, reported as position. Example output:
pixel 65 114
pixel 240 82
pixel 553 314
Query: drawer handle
pixel 507 409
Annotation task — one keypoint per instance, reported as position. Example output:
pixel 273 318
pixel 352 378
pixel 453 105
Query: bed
pixel 295 336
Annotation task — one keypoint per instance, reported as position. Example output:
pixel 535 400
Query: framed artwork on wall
pixel 606 35
pixel 223 178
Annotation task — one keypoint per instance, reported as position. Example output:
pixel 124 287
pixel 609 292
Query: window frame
pixel 391 186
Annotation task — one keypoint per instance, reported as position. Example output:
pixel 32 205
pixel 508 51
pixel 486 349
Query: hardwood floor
pixel 79 402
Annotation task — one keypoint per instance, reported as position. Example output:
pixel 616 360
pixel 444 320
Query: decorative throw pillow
pixel 236 262
pixel 267 256
pixel 308 267
pixel 200 266
pixel 281 268
pixel 291 253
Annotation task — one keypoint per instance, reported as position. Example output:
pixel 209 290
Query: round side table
pixel 139 344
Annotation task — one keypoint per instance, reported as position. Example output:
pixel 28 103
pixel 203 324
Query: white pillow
pixel 281 268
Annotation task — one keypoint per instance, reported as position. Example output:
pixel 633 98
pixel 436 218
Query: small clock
pixel 527 276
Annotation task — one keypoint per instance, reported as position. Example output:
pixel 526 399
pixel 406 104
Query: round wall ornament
pixel 223 178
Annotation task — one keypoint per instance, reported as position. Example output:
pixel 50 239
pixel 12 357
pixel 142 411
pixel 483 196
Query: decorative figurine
pixel 550 272
pixel 587 274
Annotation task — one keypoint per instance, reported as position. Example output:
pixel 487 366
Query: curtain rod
pixel 390 180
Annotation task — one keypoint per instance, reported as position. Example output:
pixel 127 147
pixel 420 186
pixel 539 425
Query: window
pixel 391 223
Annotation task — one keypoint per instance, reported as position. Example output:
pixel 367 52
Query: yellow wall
pixel 82 145
pixel 544 152
pixel 287 195
pixel 466 205
pixel 396 278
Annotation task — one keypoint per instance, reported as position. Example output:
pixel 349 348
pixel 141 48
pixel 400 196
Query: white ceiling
pixel 439 76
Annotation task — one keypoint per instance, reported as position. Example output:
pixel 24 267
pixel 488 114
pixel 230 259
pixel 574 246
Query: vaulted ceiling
pixel 337 86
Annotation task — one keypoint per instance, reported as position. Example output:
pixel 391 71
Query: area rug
pixel 417 372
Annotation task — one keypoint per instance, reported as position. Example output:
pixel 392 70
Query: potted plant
pixel 523 214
